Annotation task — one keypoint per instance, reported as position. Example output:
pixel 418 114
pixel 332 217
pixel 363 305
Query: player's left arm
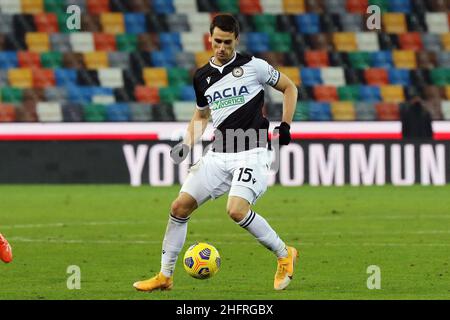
pixel 290 93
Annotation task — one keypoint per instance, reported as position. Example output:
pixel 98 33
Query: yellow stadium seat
pixel 404 59
pixel 112 23
pixel 392 93
pixel 202 58
pixel 447 92
pixel 20 78
pixel 294 6
pixel 394 23
pixel 445 39
pixel 32 6
pixel 292 73
pixel 343 111
pixel 155 77
pixel 37 41
pixel 345 41
pixel 96 59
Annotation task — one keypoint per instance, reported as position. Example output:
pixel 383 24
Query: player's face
pixel 223 45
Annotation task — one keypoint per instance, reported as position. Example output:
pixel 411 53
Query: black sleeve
pixel 199 94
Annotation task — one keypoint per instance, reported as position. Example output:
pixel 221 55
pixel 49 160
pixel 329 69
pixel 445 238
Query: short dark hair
pixel 225 22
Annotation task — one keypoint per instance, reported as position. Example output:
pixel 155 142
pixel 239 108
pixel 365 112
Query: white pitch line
pixel 326 244
pixel 209 220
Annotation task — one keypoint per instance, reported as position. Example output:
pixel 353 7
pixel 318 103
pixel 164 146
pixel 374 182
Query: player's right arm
pixel 197 126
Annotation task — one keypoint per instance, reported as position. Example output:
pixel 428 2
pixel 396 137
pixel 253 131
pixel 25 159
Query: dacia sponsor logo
pixel 226 93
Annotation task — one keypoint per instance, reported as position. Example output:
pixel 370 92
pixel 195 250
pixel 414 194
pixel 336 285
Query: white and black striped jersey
pixel 234 93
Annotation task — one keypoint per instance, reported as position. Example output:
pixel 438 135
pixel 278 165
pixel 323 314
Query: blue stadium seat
pixel 118 112
pixel 8 60
pixel 258 42
pixel 135 23
pixel 65 77
pixel 399 6
pixel 170 41
pixel 308 23
pixel 369 93
pixel 311 76
pixel 319 111
pixel 84 94
pixel 382 59
pixel 163 6
pixel 187 93
pixel 400 77
pixel 164 58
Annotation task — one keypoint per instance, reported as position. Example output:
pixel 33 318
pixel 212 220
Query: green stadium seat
pixel 440 76
pixel 94 112
pixel 178 76
pixel 349 93
pixel 126 42
pixel 230 6
pixel 56 6
pixel 359 60
pixel 383 4
pixel 265 22
pixel 280 42
pixel 169 94
pixel 302 111
pixel 11 95
pixel 51 59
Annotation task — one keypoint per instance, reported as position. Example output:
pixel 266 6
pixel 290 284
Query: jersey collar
pixel 220 68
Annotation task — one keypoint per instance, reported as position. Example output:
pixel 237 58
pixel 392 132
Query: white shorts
pixel 243 174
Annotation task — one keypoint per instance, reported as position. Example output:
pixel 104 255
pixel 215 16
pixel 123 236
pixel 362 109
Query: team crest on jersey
pixel 238 72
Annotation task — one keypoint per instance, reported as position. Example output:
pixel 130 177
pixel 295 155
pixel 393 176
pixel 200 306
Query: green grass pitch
pixel 114 233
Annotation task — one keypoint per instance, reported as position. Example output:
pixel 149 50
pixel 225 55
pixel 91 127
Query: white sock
pixel 173 243
pixel 263 232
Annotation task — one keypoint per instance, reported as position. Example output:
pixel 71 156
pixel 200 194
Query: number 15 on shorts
pixel 246 175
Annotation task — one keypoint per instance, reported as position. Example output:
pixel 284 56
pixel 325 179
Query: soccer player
pixel 230 89
pixel 5 250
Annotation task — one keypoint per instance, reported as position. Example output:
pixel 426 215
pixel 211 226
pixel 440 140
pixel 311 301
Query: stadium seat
pixel 60 42
pixel 369 93
pixel 65 77
pixel 399 77
pixel 317 41
pixel 140 112
pixel 7 112
pixel 317 58
pixel 46 22
pixel 112 23
pixel 49 112
pixel 434 109
pixel 348 93
pixel 272 7
pixel 6 25
pixel 365 111
pixel 178 76
pixel 3 80
pixel 163 6
pixel 20 77
pixel 411 41
pixel 437 22
pixel 357 6
pixel 104 42
pixel 443 59
pixel 186 60
pixel 89 23
pixel 345 41
pixel 26 112
pixel 37 41
pixel 301 111
pixel 333 76
pixel 144 42
pixel 98 6
pixel 27 59
pixel 187 93
pixel 163 58
pixel 183 110
pixel 315 6
pixel 264 22
pixel 392 93
pixel 354 76
pixel 96 59
pixel 280 42
pixel 32 6
pixel 250 6
pixel 376 76
pixel 394 23
pixel 126 42
pixel 330 23
pixel 258 42
pixel 324 93
pixel 10 6
pixel 43 78
pixel 388 41
pixel 111 78
pixel 135 23
pixel 186 6
pixel 192 41
pixel 404 59
pixel 294 6
pixel 359 60
pixel 387 111
pixel 416 22
pixel 94 112
pixel 445 109
pixel 202 58
pixel 11 95
pixel 426 59
pixel 310 76
pixel 308 23
pixel 367 41
pixel 156 77
pixel 336 6
pixel 118 112
pixel 440 76
pixel 82 42
pixel 72 112
pixel 56 94
pixel 319 111
pixel 343 111
pixel 403 6
pixel 445 40
pixel 169 94
pixel 228 6
pixel 382 59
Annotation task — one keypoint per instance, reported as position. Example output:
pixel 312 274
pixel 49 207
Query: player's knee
pixel 180 209
pixel 235 214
